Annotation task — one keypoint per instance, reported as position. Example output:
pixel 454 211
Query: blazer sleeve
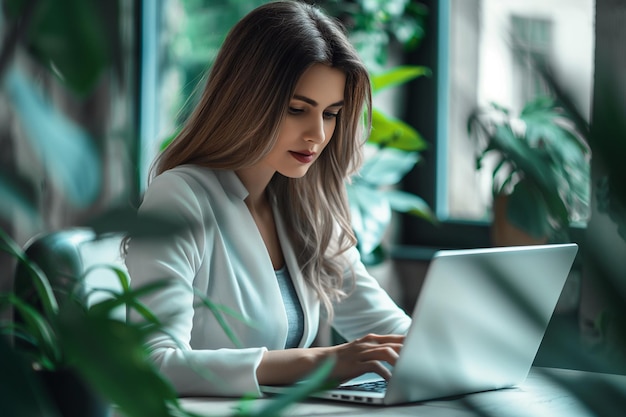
pixel 367 308
pixel 177 257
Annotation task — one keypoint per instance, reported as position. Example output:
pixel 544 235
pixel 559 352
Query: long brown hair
pixel 236 122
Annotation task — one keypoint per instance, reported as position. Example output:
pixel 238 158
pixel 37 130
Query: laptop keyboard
pixel 374 386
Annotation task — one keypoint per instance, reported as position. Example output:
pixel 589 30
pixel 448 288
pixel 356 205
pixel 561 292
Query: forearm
pixel 287 366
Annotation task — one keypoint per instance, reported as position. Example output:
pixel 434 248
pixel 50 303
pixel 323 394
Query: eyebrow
pixel 315 103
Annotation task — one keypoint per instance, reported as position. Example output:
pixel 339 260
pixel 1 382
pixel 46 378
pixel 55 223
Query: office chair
pixel 68 256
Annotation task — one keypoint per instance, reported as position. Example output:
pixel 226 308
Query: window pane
pixel 180 40
pixel 480 66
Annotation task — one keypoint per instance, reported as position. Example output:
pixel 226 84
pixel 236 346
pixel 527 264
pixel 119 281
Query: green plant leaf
pixel 167 141
pixel 317 381
pixel 404 202
pixel 387 166
pixel 121 274
pixel 397 76
pixel 391 132
pixel 40 281
pixel 531 162
pixel 102 350
pixel 16 330
pixel 8 245
pixel 128 298
pixel 370 215
pixel 527 210
pixel 371 45
pixel 218 311
pixel 39 330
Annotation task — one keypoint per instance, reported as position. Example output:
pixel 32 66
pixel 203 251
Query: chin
pixel 294 173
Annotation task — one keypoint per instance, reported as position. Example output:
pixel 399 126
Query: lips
pixel 304 157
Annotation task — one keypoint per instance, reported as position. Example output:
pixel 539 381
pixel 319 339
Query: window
pixel 180 41
pixel 534 41
pixel 474 61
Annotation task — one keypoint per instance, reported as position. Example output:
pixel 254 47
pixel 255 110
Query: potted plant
pixel 392 150
pixel 76 352
pixel 380 31
pixel 540 177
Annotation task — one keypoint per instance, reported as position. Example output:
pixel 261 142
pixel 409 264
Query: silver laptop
pixel 477 325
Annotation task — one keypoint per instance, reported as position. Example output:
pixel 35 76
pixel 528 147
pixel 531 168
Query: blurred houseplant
pixel 375 25
pixel 540 179
pixel 377 29
pixel 392 150
pixel 60 339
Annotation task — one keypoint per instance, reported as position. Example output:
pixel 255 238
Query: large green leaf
pixel 39 280
pixel 391 132
pixel 387 166
pixel 315 382
pixel 43 335
pixel 397 76
pixel 532 163
pixel 218 312
pixel 370 215
pixel 128 298
pixel 527 210
pixel 103 349
pixel 404 202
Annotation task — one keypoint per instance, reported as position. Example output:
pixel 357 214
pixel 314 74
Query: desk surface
pixel 546 392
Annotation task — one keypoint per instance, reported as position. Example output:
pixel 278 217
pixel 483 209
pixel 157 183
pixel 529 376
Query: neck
pixel 256 181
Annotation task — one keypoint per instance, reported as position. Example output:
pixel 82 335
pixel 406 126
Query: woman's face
pixel 310 121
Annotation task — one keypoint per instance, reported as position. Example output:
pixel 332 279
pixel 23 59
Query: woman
pixel 257 175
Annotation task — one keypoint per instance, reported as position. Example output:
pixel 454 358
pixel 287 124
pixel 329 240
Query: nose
pixel 315 131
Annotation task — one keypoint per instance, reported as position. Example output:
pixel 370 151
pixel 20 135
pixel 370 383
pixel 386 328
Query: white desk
pixel 545 393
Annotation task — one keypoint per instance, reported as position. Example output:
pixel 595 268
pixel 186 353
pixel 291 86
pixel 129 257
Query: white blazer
pixel 222 256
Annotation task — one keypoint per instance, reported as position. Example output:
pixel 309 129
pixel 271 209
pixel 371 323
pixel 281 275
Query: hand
pixel 351 360
pixel 365 355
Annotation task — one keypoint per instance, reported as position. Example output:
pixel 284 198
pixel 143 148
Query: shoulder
pixel 194 191
pixel 181 190
pixel 171 185
pixel 186 175
pixel 214 184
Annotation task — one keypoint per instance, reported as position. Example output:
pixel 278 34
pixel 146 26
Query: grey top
pixel 295 316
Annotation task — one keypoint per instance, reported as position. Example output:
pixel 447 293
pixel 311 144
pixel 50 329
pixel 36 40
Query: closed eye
pixel 328 115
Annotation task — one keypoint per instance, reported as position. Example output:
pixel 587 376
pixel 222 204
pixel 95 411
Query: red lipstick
pixel 304 157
